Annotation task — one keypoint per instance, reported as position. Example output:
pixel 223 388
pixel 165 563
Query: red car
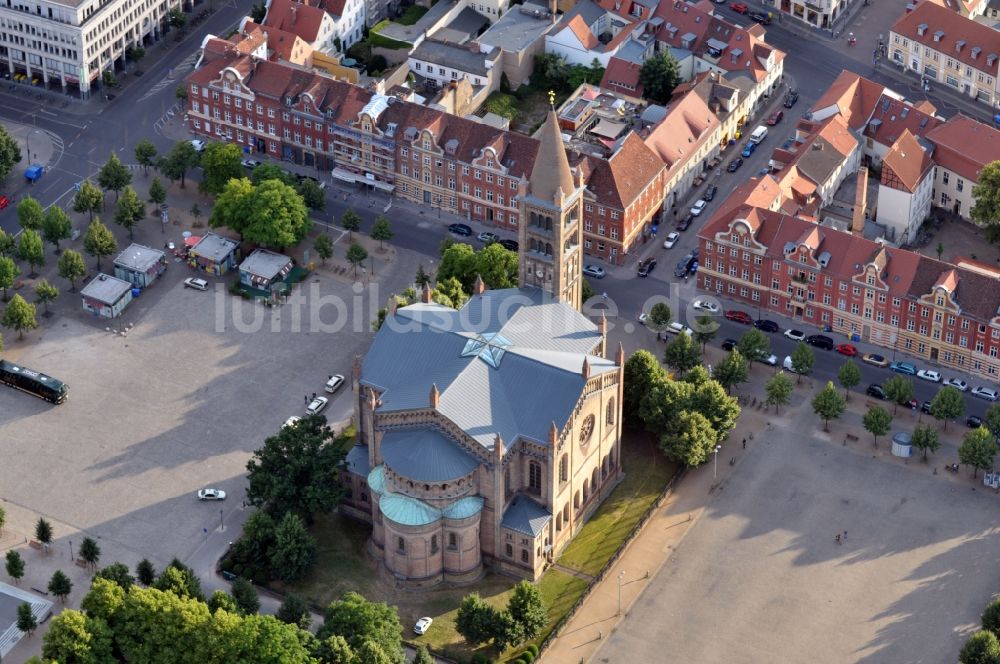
pixel 847 349
pixel 4 202
pixel 739 8
pixel 739 317
pixel 775 118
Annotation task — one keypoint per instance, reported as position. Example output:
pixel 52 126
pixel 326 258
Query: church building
pixel 487 435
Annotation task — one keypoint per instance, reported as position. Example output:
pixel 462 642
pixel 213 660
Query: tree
pixel 177 19
pixel 15 566
pixel 98 241
pixel 899 390
pixel 986 194
pixel 145 154
pixel 10 153
pixel 983 647
pixel 129 211
pixel 245 596
pixel 925 438
pixel 220 599
pixel 313 195
pixel 356 255
pixel 26 621
pixel 659 76
pixel 45 293
pixel 358 620
pixel 660 317
pixel 294 549
pixel 117 573
pixel 848 376
pixel 476 619
pixel 195 213
pixel 803 360
pixel 72 267
pixel 90 552
pixel 77 637
pixel 323 246
pixel 705 330
pixel 220 163
pixel 731 371
pixel 829 404
pixel 991 616
pixel 294 611
pixel 60 585
pixel 351 223
pixel 145 572
pixel 232 206
pixel 113 176
pixel 276 216
pixel 450 293
pixel 423 656
pixel 779 390
pixel 8 273
pixel 56 226
pixel 43 531
pixel 7 242
pixel 681 354
pixel 179 579
pixel 296 470
pixel 181 158
pixel 977 450
pixel 496 265
pixel 382 231
pixel 641 371
pixel 19 315
pixel 709 398
pixel 947 404
pixel 89 199
pixel 157 192
pixel 31 250
pixel 877 422
pixel 30 213
pixel 527 609
pixel 421 279
pixel 754 345
pixel 689 439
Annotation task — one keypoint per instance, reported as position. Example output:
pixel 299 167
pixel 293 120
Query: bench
pixel 35 544
pixel 80 562
pixel 851 437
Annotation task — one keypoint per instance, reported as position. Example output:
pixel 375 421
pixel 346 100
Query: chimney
pixel 474 46
pixel 435 399
pixel 860 202
pixel 553 434
pixel 586 369
pixel 426 295
pixel 479 287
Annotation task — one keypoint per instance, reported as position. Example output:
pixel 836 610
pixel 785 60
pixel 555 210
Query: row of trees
pixel 524 617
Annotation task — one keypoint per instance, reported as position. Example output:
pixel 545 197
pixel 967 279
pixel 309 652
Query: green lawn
pixel 647 471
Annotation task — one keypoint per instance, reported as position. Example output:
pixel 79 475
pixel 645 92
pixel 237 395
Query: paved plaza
pixel 759 578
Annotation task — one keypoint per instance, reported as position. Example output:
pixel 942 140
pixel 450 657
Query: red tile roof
pixel 295 17
pixel 908 162
pixel 895 116
pixel 633 167
pixel 687 125
pixel 964 146
pixel 851 95
pixel 622 77
pixel 578 27
pixel 953 35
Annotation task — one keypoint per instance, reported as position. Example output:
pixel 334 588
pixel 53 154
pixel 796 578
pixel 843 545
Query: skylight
pixel 490 348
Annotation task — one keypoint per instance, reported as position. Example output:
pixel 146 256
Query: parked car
pixel 875 360
pixel 749 148
pixel 775 118
pixel 698 207
pixel 317 405
pixel 646 266
pixel 734 165
pixel 671 240
pixel 422 625
pixel 791 98
pixel 738 316
pixel 705 305
pixel 195 283
pixel 677 328
pixel 199 146
pixel 729 344
pixel 766 358
pixel 509 245
pixel 739 8
pixel 710 193
pixel 685 223
pixel 759 17
pixel 929 374
pixel 958 384
pixel 4 202
pixel 847 349
pixel 911 403
pixel 820 341
pixel 595 271
pixel 334 383
pixel 211 494
pixel 974 421
pixel 766 325
pixel 790 366
pixel 925 408
pixel 290 422
pixel 987 393
pixel 903 368
pixel 460 229
pixel 250 164
pixel 795 335
pixel 686 265
pixel 487 237
pixel 875 390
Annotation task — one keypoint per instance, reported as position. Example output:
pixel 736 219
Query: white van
pixel 759 134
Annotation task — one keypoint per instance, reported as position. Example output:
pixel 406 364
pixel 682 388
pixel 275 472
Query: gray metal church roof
pixel 356 460
pixel 537 380
pixel 425 455
pixel 525 516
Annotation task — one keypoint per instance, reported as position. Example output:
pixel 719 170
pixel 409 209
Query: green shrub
pixel 533 649
pixel 478 658
pixel 527 656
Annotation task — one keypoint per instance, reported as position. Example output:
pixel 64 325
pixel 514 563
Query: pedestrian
pixel 330 377
pixel 314 395
pixel 744 443
pixel 305 399
pixel 845 535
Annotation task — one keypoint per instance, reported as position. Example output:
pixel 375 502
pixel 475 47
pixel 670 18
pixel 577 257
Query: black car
pixel 974 422
pixel 819 341
pixel 758 17
pixel 710 193
pixel 734 165
pixel 925 407
pixel 791 98
pixel 685 265
pixel 460 229
pixel 510 245
pixel 729 344
pixel 766 325
pixel 875 390
pixel 646 266
pixel 685 223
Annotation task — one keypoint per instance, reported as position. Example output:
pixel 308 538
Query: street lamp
pixel 715 470
pixel 71 550
pixel 621 575
pixel 222 524
pixel 27 139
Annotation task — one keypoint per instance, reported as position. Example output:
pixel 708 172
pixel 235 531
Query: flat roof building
pixel 140 265
pixel 214 254
pixel 262 268
pixel 106 296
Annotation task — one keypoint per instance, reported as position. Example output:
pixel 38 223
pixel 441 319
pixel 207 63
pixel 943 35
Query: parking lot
pixel 177 405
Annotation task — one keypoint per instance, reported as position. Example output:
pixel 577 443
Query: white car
pixel 770 360
pixel 199 146
pixel 317 405
pixel 290 422
pixel 211 494
pixel 422 625
pixel 928 374
pixel 595 271
pixel 195 283
pixel 699 207
pixel 643 318
pixel 958 384
pixel 250 164
pixel 677 328
pixel 795 335
pixel 334 383
pixel 705 305
pixel 671 240
pixel 987 393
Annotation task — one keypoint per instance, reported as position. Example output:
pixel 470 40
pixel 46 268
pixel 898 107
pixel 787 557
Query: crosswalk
pixel 173 74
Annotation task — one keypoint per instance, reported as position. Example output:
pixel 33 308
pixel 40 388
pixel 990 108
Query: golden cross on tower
pixel 552 99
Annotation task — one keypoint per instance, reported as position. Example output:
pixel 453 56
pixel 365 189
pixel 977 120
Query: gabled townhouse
pixel 944 47
pixel 599 31
pixel 962 147
pixel 313 25
pixel 906 188
pixel 969 8
pixel 722 98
